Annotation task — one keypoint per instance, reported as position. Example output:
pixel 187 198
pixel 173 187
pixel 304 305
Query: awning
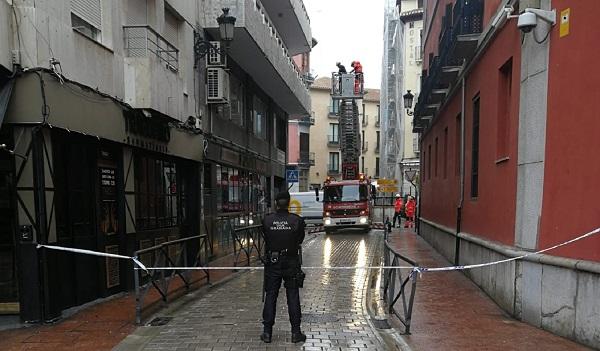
pixel 5 93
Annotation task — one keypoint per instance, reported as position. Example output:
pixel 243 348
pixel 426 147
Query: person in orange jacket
pixel 357 69
pixel 398 207
pixel 410 208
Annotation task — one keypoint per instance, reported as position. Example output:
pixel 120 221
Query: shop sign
pixel 230 156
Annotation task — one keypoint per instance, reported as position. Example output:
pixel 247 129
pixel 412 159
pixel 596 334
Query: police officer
pixel 284 233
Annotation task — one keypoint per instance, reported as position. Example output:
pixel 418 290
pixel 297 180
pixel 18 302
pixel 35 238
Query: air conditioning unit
pixel 217 86
pixel 214 58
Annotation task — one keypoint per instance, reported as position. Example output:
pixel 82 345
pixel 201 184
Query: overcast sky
pixel 347 30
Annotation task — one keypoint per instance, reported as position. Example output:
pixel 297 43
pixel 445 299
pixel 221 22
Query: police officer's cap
pixel 283 195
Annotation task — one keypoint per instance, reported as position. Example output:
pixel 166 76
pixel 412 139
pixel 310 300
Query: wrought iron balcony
pixel 333 140
pixel 306 159
pixel 459 36
pixel 333 169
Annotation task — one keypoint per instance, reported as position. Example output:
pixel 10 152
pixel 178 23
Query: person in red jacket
pixel 398 207
pixel 357 69
pixel 411 206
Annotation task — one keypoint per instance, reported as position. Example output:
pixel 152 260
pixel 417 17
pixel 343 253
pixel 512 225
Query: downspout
pixel 461 196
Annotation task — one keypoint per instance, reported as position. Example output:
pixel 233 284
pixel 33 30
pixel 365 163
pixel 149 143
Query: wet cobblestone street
pixel 228 317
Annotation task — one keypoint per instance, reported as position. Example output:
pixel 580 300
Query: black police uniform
pixel 284 233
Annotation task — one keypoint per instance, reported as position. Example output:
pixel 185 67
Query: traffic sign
pixel 292 176
pixel 387 182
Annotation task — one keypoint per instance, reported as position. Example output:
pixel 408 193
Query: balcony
pixel 333 140
pixel 334 111
pixel 333 169
pixel 378 122
pixel 365 146
pixel 292 20
pixel 365 120
pixel 460 33
pixel 306 159
pixel 260 51
pixel 151 68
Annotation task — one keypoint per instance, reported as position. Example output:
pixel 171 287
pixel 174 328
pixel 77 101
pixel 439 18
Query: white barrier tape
pixel 419 270
pixel 94 253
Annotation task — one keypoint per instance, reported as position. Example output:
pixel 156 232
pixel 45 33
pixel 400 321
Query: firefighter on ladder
pixel 357 69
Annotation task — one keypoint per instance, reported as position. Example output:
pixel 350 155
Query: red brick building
pixel 509 162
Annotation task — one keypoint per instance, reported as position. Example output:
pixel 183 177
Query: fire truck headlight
pixel 363 220
pixel 242 221
pixel 327 221
pixel 251 222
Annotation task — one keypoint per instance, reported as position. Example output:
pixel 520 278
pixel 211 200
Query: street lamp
pixel 408 101
pixel 203 47
pixel 411 174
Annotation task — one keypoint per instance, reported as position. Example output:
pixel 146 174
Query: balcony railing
pixel 377 148
pixel 378 122
pixel 333 169
pixel 365 146
pixel 365 120
pixel 467 16
pixel 334 111
pixel 142 41
pixel 333 139
pixel 306 159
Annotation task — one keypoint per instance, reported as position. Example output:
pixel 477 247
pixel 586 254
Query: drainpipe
pixel 461 197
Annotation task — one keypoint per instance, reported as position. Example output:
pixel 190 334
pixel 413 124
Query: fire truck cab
pixel 347 204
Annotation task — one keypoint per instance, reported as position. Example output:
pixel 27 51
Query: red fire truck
pixel 347 204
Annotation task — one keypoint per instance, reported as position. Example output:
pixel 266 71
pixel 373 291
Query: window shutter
pixel 88 10
pixel 171 32
pixel 137 12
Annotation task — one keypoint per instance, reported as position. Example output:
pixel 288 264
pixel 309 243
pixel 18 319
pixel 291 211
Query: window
pixel 475 150
pixel 377 145
pixel 171 30
pixel 378 118
pixel 334 133
pixel 503 117
pixel 334 162
pixel 429 162
pixel 334 107
pixel 415 143
pixel 86 18
pixel 156 193
pixel 376 167
pixel 363 111
pixel 240 191
pixel 420 4
pixel 445 153
pixel 260 118
pixel 362 161
pixel 236 98
pixel 436 158
pixel 457 144
pixel 346 193
pixel 363 141
pixel 424 166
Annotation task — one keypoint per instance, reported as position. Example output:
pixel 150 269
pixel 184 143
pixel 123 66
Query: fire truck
pixel 347 203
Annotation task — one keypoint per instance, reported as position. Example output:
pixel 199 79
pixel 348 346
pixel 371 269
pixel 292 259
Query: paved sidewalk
pixel 97 328
pixel 452 313
pixel 229 317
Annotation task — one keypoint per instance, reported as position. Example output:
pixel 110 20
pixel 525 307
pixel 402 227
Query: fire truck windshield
pixel 346 193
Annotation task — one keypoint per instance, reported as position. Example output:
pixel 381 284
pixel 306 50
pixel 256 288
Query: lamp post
pixel 203 46
pixel 408 102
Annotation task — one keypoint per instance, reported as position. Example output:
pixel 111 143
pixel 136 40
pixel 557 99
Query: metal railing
pixel 399 286
pixel 247 240
pixel 365 146
pixel 176 253
pixel 333 139
pixel 365 120
pixel 142 40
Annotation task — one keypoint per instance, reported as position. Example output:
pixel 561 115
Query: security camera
pixel 527 21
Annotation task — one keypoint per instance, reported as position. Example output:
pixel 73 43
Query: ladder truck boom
pixel 347 88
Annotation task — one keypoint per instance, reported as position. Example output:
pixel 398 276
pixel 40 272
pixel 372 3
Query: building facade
pixel 411 18
pixel 504 170
pixel 120 135
pixel 325 136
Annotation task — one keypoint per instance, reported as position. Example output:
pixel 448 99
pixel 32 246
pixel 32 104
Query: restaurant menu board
pixel 108 201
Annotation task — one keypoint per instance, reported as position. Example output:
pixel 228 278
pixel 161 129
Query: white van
pixel 305 205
